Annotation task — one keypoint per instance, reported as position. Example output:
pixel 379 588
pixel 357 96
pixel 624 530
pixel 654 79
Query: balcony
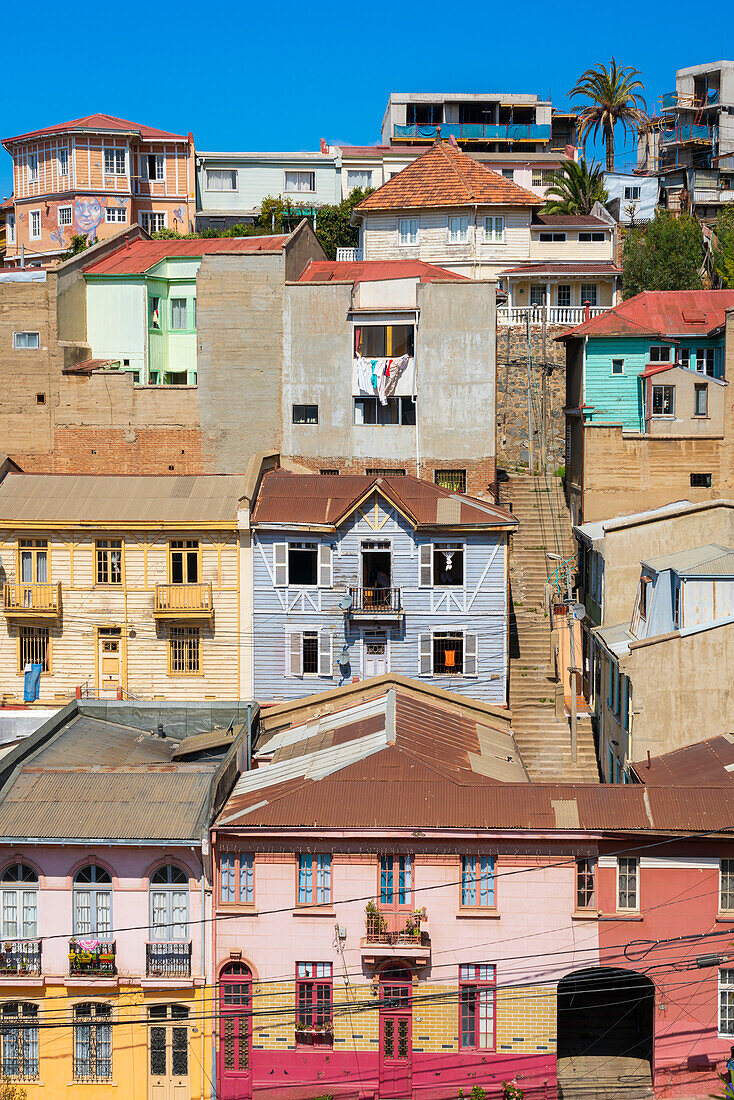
pixel 89 958
pixel 375 603
pixel 20 957
pixel 349 255
pixel 412 941
pixel 507 316
pixel 183 601
pixel 32 601
pixel 168 960
pixel 474 131
pixel 687 131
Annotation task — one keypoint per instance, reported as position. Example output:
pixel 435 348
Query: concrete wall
pixel 512 389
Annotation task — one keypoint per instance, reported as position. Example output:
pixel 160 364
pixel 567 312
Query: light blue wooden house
pixel 357 576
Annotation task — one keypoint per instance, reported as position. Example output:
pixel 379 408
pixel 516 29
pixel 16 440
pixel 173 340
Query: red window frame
pixel 476 980
pixel 314 1003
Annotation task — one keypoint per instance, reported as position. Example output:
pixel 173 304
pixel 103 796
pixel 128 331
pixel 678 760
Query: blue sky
pixel 281 76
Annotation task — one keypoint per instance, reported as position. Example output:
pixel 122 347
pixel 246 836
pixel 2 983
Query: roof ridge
pixel 449 160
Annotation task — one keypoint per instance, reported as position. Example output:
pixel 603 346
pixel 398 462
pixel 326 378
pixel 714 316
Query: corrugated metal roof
pixel 90 741
pixel 706 764
pixel 369 271
pixel 616 638
pixel 664 313
pixel 116 500
pixel 712 560
pixel 137 257
pixel 598 528
pixel 285 497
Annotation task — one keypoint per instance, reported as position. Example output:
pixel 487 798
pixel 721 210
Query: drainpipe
pixel 203 971
pixel 415 393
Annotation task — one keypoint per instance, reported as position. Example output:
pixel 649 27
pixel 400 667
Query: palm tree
pixel 574 188
pixel 615 95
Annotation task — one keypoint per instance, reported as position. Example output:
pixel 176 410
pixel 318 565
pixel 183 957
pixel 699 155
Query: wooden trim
pixel 184 550
pixel 35 626
pixel 170 639
pixel 123 577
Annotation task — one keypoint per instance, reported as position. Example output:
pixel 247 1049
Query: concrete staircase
pixel 545 742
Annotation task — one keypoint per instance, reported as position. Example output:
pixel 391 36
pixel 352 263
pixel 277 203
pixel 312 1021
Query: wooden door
pixel 396 1033
pixel 375 654
pixel 109 661
pixel 168 1052
pixel 234 1076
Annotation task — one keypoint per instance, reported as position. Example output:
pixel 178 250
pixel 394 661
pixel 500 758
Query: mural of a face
pixel 88 213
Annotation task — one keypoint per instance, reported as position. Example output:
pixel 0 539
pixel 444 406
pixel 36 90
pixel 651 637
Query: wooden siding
pixel 479 607
pixel 615 398
pixel 572 248
pixel 380 238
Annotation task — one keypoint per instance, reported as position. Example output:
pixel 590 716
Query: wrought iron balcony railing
pixel 376 601
pixel 168 960
pixel 18 957
pixel 92 958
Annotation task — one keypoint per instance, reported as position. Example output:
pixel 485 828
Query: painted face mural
pixel 88 213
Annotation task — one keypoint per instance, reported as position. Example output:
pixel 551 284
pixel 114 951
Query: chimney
pixel 324 145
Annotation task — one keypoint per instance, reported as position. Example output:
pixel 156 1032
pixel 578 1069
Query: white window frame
pixel 32 168
pixel 462 228
pixel 662 415
pixel 70 215
pixel 636 907
pixel 63 170
pixel 359 172
pixel 31 235
pixel 148 215
pixel 94 890
pixel 324 565
pixel 587 297
pixel 728 986
pixel 411 239
pixel 659 358
pixel 448 629
pixel 160 167
pixel 232 171
pixel 592 236
pixel 324 658
pixel 161 932
pixel 617 373
pixel 114 153
pixel 491 233
pixel 369 634
pixel 117 210
pixel 10 227
pixel 299 172
pixel 721 908
pixel 26 347
pixel 632 197
pixel 702 357
pixel 552 236
pixel 19 889
pixel 458 546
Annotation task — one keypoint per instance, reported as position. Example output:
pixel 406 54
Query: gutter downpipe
pixel 203 965
pixel 214 990
pixel 415 389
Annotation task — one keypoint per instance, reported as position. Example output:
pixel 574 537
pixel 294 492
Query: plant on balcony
pixel 376 923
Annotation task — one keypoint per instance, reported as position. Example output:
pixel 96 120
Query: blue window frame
pixel 314 879
pixel 237 878
pixel 477 881
pixel 396 880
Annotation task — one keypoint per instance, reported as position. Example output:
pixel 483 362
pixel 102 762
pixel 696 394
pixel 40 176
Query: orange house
pixel 93 177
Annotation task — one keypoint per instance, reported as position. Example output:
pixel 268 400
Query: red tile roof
pixel 661 313
pixel 7 204
pixel 586 267
pixel 446 176
pixel 368 271
pixel 285 498
pixel 97 123
pixel 705 764
pixel 140 256
pixel 89 366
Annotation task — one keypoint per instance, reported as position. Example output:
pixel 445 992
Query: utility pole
pixel 531 456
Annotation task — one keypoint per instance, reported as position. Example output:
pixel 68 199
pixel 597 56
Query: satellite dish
pixel 345 603
pixel 578 610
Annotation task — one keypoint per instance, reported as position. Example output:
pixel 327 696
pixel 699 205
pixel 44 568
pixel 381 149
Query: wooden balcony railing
pixel 19 957
pixel 92 958
pixel 32 600
pixel 168 960
pixel 375 601
pixel 183 601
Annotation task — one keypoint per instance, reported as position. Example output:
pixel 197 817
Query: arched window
pixel 93 902
pixel 169 904
pixel 19 1049
pixel 20 903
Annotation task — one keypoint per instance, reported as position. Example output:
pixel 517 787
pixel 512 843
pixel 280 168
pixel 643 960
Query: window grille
pixel 455 480
pixel 34 646
pixel 185 649
pixel 92 1042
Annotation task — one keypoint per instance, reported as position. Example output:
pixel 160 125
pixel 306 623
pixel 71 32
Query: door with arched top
pixel 234 1076
pixel 396 1032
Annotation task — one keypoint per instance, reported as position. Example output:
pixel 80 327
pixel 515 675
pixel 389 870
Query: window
pixel 34 648
pixel 64 215
pixel 660 353
pixel 153 166
pixel 705 359
pixel 154 312
pixel 700 481
pixel 237 878
pixel 508 173
pixel 114 162
pixel 32 165
pixel 684 355
pixel 537 294
pixel 40 398
pixel 563 294
pixel 314 1002
pixel 183 563
pixel 19 1031
pixel 109 561
pixel 359 177
pixel 588 294
pixel 399 410
pixel 152 222
pixel 300 181
pixel 33 555
pixel 384 471
pixel 26 341
pixel 63 162
pixel 20 903
pixel 378 341
pixel 169 904
pixel 35 225
pixel 221 179
pixel 167 1041
pixel 10 227
pixel 726 885
pixel 329 473
pixel 93 902
pixel 617 366
pixel 644 585
pixel 455 480
pixel 448 653
pixel 494 229
pixel 179 318
pixel 116 214
pixel 663 400
pixel 541 177
pixel 303 564
pixel 314 878
pixel 184 650
pixel 726 1002
pixel 627 868
pixel 700 400
pixel 458 229
pixel 308 653
pixel 448 564
pixel 477 881
pixel 396 880
pixel 632 194
pixel 676 606
pixel 305 414
pixel 407 231
pixel 586 236
pixel 92 1042
pixel 585 891
pixel 556 237
pixel 477 996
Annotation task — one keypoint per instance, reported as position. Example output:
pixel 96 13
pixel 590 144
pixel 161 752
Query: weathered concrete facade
pixel 512 394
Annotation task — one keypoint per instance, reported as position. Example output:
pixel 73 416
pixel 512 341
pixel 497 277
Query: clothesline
pixel 380 376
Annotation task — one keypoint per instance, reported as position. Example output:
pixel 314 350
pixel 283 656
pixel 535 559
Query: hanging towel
pixel 32 682
pixel 364 376
pixel 381 386
pixel 373 364
pixel 397 368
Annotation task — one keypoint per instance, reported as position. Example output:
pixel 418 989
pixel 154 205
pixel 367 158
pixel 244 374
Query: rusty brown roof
pixel 286 497
pixel 706 764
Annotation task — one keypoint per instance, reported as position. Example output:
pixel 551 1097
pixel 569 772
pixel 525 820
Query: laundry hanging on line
pixel 380 376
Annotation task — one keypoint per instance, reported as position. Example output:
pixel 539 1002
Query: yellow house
pixel 123 587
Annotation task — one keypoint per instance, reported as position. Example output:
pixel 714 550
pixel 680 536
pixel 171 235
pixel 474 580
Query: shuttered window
pixel 309 653
pixel 447 653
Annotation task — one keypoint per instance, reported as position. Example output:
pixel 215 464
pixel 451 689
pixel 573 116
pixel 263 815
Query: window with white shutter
pixel 325 573
pixel 294 653
pixel 425 654
pixel 470 655
pixel 426 565
pixel 325 661
pixel 280 564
